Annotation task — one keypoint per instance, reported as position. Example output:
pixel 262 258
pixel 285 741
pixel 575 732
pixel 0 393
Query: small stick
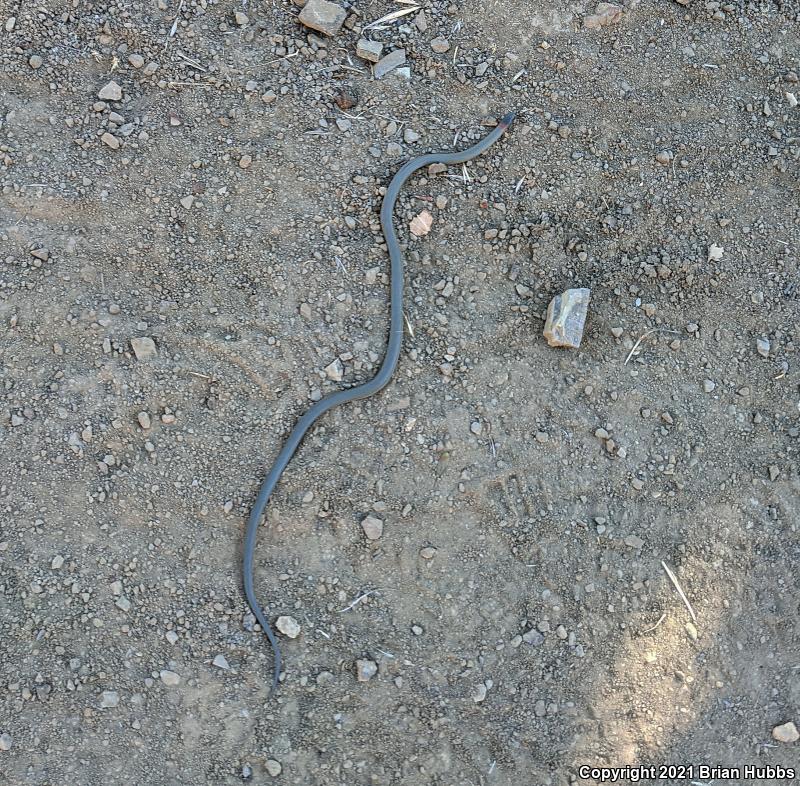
pixel 660 620
pixel 408 325
pixel 643 337
pixel 356 601
pixel 674 580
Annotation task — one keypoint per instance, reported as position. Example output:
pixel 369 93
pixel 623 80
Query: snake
pixel 365 389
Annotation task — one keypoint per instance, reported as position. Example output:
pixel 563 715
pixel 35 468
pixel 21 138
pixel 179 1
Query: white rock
pixel 566 316
pixel 762 347
pixel 373 527
pixel 109 699
pixel 57 562
pixel 221 662
pixel 288 626
pixel 421 224
pixel 144 348
pixel 479 694
pixel 366 670
pixel 369 50
pixel 786 733
pixel 715 252
pixel 109 139
pixel 6 741
pixel 321 15
pixel 170 678
pixel 274 767
pixel 111 92
pixel 335 370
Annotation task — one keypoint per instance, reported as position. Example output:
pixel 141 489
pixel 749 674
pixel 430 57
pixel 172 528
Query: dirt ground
pixel 515 611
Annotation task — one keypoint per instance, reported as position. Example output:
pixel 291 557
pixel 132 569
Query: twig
pixel 680 591
pixel 643 337
pixel 408 325
pixel 391 16
pixel 192 63
pixel 293 54
pixel 174 27
pixel 356 601
pixel 660 620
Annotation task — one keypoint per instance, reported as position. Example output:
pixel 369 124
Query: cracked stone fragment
pixel 321 15
pixel 566 316
pixel 389 63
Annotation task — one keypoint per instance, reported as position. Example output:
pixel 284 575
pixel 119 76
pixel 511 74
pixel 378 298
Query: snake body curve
pixel 379 381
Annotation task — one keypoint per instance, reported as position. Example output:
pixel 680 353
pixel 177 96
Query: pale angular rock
pixel 288 626
pixel 144 348
pixel 274 768
pixel 604 15
pixel 369 50
pixel 321 15
pixel 786 733
pixel 373 527
pixel 366 670
pixel 390 62
pixel 109 139
pixel 170 678
pixel 111 92
pixel 421 224
pixel 109 699
pixel 566 316
pixel 335 370
pixel 6 741
pixel 221 662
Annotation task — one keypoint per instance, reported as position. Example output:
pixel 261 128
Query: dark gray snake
pixel 364 390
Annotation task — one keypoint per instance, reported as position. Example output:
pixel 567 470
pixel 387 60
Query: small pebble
pixel 762 347
pixel 566 316
pixel 479 694
pixel 366 670
pixel 35 61
pixel 335 370
pixel 221 662
pixel 170 678
pixel 323 16
pixel 288 626
pixel 6 741
pixel 137 61
pixel 110 92
pixel 440 45
pixel 109 699
pixel 240 18
pixel 373 527
pixel 369 50
pixel 421 224
pixel 786 733
pixel 109 139
pixel 709 385
pixel 274 767
pixel 389 63
pixel 144 348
